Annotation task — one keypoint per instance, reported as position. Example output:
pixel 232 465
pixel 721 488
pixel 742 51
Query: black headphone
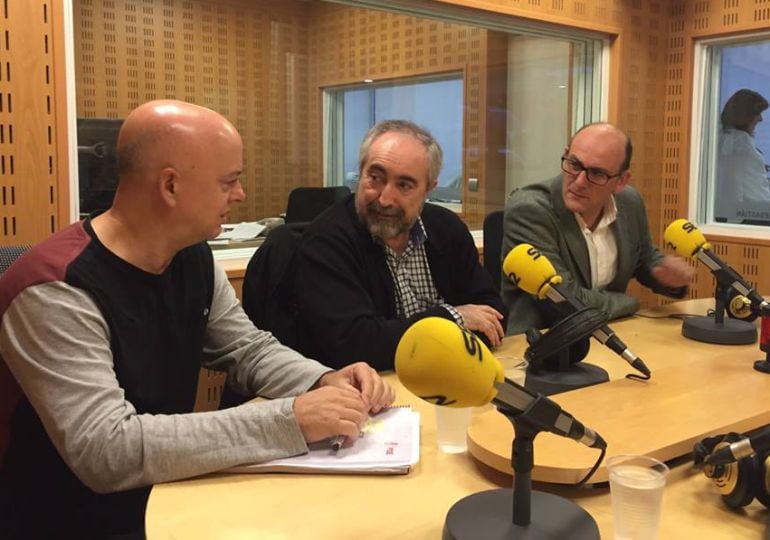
pixel 741 481
pixel 570 332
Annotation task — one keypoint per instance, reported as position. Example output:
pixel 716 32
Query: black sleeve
pixel 340 299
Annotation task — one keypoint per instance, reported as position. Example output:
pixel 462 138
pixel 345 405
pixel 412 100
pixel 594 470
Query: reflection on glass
pixel 743 188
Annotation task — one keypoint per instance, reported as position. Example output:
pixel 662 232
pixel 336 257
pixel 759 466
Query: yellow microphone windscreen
pixel 447 365
pixel 530 270
pixel 684 238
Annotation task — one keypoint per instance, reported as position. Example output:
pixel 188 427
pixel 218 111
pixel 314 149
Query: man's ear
pixel 168 185
pixel 431 186
pixel 623 181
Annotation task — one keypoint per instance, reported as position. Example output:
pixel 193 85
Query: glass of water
pixel 636 491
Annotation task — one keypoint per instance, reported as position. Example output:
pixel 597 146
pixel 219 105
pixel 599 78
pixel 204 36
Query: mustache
pixel 376 207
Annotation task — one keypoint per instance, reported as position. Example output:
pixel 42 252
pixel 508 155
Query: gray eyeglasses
pixel 595 176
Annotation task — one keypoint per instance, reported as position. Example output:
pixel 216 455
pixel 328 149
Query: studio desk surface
pixel 696 389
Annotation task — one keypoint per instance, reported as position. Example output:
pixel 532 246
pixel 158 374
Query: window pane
pixel 539 90
pixel 436 105
pixel 736 142
pixel 357 119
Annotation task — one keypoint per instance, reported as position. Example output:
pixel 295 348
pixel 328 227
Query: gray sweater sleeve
pixel 56 343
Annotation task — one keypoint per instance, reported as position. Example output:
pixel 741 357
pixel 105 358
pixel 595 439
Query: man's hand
pixel 484 319
pixel 673 272
pixel 361 377
pixel 330 411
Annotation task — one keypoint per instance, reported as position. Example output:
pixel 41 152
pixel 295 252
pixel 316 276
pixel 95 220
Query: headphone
pixel 570 332
pixel 738 482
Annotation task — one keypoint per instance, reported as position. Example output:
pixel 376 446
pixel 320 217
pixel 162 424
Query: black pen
pixel 337 442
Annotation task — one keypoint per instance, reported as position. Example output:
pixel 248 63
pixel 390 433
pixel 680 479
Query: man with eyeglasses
pixel 592 225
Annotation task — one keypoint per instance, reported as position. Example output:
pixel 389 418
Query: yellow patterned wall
pixel 233 57
pixel 33 188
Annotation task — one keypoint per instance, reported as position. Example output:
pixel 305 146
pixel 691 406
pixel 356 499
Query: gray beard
pixel 382 228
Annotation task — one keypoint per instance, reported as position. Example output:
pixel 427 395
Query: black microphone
pixel 449 366
pixel 532 272
pixel 745 447
pixel 687 240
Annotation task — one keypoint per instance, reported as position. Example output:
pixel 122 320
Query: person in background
pixel 384 258
pixel 742 185
pixel 105 326
pixel 592 226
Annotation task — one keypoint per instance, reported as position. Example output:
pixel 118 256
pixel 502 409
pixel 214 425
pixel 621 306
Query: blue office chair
pixel 305 203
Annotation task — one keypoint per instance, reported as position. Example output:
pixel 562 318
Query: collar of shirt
pixel 602 248
pixel 609 215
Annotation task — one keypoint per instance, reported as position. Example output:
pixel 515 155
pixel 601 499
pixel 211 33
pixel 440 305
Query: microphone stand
pixel 718 329
pixel 519 513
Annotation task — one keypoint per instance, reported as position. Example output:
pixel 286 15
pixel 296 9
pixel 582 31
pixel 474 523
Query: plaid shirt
pixel 414 287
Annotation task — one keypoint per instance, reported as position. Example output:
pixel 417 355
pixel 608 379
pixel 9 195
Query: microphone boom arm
pixel 604 334
pixel 728 277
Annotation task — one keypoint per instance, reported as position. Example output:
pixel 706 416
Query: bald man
pixel 592 225
pixel 105 326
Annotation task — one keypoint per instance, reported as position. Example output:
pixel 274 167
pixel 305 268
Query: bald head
pixel 619 143
pixel 167 133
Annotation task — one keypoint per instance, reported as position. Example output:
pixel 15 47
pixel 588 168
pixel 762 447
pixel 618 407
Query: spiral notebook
pixel 389 443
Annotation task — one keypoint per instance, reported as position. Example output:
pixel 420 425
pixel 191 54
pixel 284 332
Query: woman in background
pixel 743 188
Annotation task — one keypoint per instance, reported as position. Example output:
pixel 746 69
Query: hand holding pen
pixel 337 442
pixel 341 403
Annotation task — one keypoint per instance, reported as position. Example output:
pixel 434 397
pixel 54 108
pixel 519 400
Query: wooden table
pixel 414 506
pixel 697 389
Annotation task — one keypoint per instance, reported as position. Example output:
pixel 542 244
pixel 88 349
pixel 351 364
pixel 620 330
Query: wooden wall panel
pixel 689 21
pixel 30 95
pixel 246 60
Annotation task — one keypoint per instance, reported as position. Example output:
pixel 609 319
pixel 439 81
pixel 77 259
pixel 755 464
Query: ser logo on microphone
pixel 533 254
pixel 472 344
pixel 687 227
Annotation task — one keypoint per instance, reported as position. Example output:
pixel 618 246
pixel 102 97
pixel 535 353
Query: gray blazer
pixel 536 214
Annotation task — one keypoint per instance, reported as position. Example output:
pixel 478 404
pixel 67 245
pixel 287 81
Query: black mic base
pixel 727 332
pixel 568 378
pixel 489 516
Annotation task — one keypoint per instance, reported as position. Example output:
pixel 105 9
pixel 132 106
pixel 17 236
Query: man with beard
pixel 373 264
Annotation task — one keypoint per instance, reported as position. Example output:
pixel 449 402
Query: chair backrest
pixel 268 292
pixel 305 203
pixel 493 244
pixel 268 284
pixel 8 254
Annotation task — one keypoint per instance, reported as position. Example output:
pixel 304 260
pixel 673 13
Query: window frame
pixel 705 107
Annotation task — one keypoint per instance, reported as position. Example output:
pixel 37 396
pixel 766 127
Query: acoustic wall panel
pixel 246 60
pixel 29 97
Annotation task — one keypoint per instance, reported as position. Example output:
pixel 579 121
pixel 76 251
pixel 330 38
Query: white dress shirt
pixel 602 248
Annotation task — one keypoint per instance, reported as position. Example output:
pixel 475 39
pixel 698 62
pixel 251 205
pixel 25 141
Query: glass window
pixel 733 151
pixel 435 103
pixel 541 84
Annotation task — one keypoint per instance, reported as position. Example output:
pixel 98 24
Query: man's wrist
pixel 322 380
pixel 455 314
